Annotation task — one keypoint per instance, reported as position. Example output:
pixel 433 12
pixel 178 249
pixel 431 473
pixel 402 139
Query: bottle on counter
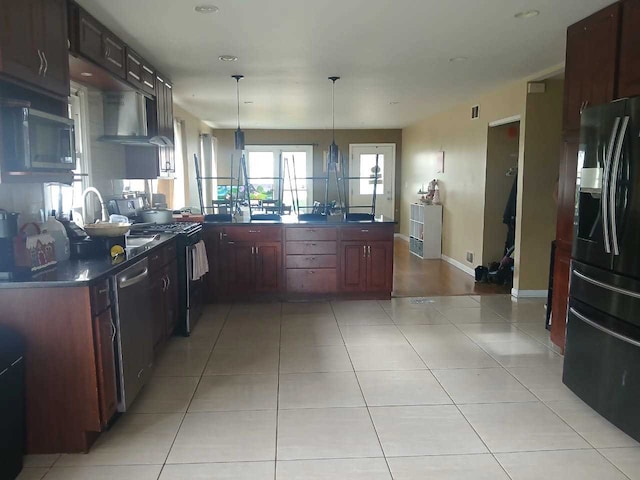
pixel 59 234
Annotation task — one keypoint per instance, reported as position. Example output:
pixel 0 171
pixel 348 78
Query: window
pixel 62 197
pixel 368 173
pixel 179 192
pixel 266 172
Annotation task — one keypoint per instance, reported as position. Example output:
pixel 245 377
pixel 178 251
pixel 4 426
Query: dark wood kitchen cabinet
pixel 367 266
pixel 104 332
pixel 140 73
pixel 33 43
pixel 366 255
pixel 253 267
pixel 92 40
pixel 629 72
pixel 163 272
pixel 591 64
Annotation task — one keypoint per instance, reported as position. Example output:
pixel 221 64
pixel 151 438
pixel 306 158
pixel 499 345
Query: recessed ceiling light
pixel 248 102
pixel 86 74
pixel 458 59
pixel 228 58
pixel 394 103
pixel 206 9
pixel 527 14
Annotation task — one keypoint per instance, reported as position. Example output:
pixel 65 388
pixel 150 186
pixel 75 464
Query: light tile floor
pixel 443 388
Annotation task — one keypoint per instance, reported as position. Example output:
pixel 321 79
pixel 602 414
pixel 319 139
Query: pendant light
pixel 239 133
pixel 334 151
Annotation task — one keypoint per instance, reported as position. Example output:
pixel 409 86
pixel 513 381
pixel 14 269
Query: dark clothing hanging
pixel 509 216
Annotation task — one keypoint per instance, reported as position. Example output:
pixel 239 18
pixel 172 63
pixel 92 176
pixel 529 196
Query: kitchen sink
pixel 139 244
pixel 140 241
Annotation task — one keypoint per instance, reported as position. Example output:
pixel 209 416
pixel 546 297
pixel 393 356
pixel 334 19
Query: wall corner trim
pixel 459 265
pixel 529 293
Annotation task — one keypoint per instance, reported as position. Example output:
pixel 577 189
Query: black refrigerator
pixel 602 354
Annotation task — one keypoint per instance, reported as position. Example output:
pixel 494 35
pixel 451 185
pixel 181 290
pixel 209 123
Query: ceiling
pixel 385 51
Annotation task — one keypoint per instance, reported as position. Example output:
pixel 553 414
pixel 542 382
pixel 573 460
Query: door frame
pixel 394 149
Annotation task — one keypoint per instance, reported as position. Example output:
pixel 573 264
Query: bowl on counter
pixel 107 229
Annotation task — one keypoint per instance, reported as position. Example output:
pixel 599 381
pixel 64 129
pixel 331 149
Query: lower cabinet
pixel 366 266
pixel 103 333
pixel 298 260
pixel 163 271
pixel 252 267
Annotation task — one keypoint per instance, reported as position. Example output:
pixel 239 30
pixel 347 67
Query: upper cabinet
pixel 591 64
pixel 33 43
pixel 140 73
pixel 94 41
pixel 629 75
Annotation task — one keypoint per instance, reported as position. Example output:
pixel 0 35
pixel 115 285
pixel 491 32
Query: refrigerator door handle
pixel 606 286
pixel 605 187
pixel 614 186
pixel 597 326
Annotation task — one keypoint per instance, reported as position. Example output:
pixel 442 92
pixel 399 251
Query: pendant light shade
pixel 239 133
pixel 334 151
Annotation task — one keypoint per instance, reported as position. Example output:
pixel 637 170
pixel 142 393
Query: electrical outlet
pixel 470 257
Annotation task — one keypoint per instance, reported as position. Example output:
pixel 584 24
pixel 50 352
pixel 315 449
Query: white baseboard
pixel 459 265
pixel 529 293
pixel 402 237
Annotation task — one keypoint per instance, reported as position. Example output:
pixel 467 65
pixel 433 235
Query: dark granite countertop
pixel 333 220
pixel 78 273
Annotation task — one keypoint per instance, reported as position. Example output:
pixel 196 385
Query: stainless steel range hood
pixel 125 121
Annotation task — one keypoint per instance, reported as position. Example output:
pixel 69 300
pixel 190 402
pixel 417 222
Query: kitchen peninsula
pixel 291 259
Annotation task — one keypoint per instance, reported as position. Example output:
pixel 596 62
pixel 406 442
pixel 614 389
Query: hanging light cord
pixel 238 97
pixel 333 109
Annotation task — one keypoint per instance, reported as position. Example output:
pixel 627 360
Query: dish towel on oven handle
pixel 199 261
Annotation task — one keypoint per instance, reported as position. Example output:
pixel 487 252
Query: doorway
pixel 503 147
pixel 362 183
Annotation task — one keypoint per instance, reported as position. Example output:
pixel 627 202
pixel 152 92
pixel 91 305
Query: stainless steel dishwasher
pixel 134 346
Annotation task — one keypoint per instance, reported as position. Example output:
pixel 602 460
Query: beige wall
pixel 539 173
pixel 502 154
pixel 193 128
pixel 462 184
pixel 320 139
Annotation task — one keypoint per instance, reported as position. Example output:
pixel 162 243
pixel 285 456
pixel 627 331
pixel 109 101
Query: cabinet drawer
pixel 377 232
pixel 312 248
pixel 312 261
pixel 100 297
pixel 311 233
pixel 255 234
pixel 312 281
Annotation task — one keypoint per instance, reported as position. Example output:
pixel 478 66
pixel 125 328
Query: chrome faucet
pixel 103 206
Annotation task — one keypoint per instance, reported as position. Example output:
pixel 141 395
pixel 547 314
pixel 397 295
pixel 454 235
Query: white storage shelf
pixel 425 231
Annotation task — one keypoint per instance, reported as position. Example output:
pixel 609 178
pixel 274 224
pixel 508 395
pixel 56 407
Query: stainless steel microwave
pixel 36 141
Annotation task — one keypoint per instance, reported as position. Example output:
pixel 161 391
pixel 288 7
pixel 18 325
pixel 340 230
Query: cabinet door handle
pixel 312 272
pixel 168 282
pixel 369 250
pixel 253 250
pixel 364 231
pixel 364 251
pixel 164 284
pixel 257 250
pixel 311 244
pixel 46 64
pixel 254 231
pixel 220 235
pixel 102 291
pixel 41 62
pixel 148 84
pixel 231 243
pixel 137 77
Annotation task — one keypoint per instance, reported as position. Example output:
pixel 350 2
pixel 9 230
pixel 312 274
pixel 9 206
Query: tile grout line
pixel 364 399
pixel 454 403
pixel 275 462
pixel 224 323
pixel 530 391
